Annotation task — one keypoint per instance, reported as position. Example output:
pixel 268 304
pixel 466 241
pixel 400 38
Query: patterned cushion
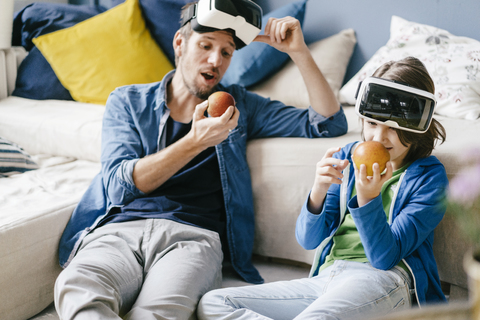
pixel 452 61
pixel 13 159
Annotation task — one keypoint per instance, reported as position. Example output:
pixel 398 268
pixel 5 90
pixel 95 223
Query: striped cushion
pixel 13 159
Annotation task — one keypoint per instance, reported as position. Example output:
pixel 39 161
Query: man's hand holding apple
pixel 210 131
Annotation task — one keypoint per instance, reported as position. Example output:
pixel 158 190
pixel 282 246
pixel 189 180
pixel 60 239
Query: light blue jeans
pixel 143 269
pixel 345 290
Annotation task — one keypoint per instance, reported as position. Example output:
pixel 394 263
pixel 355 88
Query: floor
pixel 270 269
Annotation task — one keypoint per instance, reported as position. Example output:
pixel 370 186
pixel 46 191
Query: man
pixel 146 240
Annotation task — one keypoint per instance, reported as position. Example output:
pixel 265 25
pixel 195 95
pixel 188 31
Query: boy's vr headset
pixel 394 104
pixel 243 17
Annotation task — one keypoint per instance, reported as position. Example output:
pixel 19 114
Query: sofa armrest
pixel 10 60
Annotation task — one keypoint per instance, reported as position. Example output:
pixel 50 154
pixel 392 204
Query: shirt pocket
pixel 238 133
pixel 235 149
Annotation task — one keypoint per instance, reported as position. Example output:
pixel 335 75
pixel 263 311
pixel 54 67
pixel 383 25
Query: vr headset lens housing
pixel 396 105
pixel 243 17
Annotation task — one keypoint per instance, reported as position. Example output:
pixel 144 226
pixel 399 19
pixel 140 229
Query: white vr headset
pixel 243 17
pixel 395 104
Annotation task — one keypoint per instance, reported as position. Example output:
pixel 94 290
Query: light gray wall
pixel 19 4
pixel 371 20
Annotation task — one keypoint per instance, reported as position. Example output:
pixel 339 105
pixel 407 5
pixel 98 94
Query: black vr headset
pixel 243 17
pixel 395 104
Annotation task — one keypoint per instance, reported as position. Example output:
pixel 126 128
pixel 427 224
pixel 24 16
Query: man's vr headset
pixel 394 104
pixel 243 17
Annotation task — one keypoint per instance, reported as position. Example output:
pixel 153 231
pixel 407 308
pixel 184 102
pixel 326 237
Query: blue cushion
pixel 42 18
pixel 13 159
pixel 163 20
pixel 35 78
pixel 258 60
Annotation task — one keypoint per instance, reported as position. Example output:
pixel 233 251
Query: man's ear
pixel 178 42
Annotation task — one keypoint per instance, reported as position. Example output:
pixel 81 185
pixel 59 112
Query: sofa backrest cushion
pixel 35 77
pixel 452 61
pixel 102 53
pixel 257 61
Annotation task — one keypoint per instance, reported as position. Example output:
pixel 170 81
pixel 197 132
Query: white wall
pixel 20 4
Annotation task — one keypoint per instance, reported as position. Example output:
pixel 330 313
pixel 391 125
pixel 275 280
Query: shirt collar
pixel 162 93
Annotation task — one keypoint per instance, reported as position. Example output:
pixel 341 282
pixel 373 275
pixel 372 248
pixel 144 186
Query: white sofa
pixel 64 139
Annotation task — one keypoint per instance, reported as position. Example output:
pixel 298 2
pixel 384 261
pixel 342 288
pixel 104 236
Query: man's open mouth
pixel 208 76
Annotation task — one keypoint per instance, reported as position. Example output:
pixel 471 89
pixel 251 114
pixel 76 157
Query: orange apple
pixel 370 152
pixel 218 103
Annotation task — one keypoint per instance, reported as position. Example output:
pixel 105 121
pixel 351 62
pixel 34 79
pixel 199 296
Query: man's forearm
pixel 152 171
pixel 285 34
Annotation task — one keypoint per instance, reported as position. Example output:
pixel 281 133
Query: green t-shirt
pixel 346 241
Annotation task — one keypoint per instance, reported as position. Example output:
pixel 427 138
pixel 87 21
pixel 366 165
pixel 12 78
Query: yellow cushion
pixel 97 55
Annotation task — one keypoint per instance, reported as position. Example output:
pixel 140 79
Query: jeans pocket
pixel 400 305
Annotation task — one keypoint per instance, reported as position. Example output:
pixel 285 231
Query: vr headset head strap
pixel 226 8
pixel 188 15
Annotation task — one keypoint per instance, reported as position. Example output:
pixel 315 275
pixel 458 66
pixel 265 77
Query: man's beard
pixel 193 89
pixel 199 93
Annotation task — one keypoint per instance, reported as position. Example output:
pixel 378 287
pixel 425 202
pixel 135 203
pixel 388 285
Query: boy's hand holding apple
pixel 371 158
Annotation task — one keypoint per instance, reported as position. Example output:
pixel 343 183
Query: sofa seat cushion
pixel 283 171
pixel 34 209
pixel 55 127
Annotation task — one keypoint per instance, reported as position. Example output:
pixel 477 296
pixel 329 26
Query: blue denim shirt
pixel 134 127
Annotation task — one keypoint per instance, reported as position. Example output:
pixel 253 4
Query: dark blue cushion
pixel 42 18
pixel 35 78
pixel 258 60
pixel 162 18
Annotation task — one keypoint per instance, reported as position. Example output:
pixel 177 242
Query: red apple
pixel 218 103
pixel 370 152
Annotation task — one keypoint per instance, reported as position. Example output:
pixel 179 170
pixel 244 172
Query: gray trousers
pixel 144 269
